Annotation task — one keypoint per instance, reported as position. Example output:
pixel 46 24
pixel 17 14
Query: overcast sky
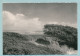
pixel 31 17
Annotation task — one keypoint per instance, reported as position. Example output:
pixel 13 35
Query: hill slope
pixel 17 44
pixel 65 34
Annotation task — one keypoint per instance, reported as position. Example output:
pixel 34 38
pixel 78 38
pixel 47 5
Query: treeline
pixel 66 33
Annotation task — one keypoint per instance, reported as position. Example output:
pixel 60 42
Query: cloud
pixel 63 23
pixel 20 23
pixel 23 24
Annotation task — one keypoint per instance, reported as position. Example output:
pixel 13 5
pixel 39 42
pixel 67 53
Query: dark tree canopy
pixel 66 33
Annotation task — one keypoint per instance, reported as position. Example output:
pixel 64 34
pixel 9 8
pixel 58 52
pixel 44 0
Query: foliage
pixel 42 41
pixel 17 44
pixel 66 33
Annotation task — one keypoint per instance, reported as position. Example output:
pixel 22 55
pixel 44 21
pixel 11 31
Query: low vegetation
pixel 42 41
pixel 20 45
pixel 66 35
pixel 57 39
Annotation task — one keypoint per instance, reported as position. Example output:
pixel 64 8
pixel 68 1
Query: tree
pixel 66 33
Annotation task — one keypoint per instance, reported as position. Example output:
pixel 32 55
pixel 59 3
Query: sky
pixel 31 17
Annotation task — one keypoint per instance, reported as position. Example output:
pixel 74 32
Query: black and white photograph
pixel 40 29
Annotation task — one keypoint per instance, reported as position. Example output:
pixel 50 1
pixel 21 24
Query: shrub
pixel 18 46
pixel 66 33
pixel 42 41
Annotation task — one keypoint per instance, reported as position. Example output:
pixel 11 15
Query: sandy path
pixel 72 52
pixel 37 44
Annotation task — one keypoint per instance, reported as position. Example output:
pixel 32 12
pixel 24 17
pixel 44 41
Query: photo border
pixel 39 1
